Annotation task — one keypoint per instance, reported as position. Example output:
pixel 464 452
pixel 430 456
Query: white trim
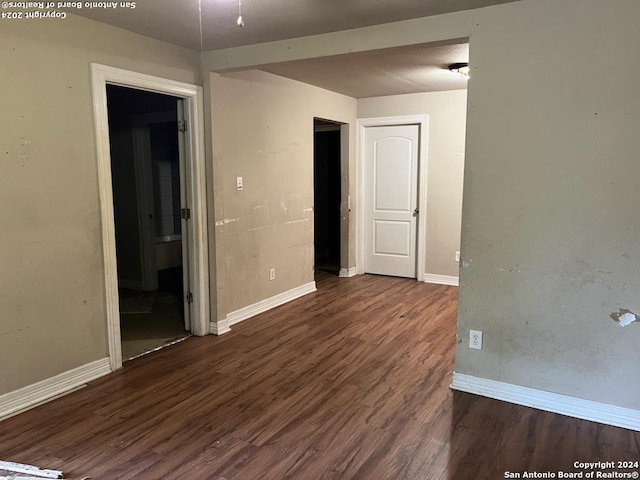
pixel 33 395
pixel 441 279
pixel 423 166
pixel 548 401
pixel 269 303
pixel 347 272
pixel 345 193
pixel 102 75
pixel 220 327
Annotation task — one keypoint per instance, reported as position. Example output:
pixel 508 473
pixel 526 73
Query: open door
pixel 185 216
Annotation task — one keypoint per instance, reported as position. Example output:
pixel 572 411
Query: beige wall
pixel 447 120
pixel 263 132
pixel 550 216
pixel 52 307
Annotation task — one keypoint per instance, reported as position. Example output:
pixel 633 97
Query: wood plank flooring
pixel 349 382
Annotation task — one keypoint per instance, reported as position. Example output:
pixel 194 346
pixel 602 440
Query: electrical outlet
pixel 239 183
pixel 457 256
pixel 475 339
pixel 272 274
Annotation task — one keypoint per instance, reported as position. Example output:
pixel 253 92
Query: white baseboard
pixel 441 279
pixel 275 301
pixel 36 394
pixel 547 401
pixel 220 327
pixel 347 272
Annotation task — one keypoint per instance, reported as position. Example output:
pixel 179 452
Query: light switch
pixel 239 185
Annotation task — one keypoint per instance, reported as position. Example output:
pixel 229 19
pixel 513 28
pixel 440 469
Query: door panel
pixel 392 166
pixel 185 222
pixel 392 238
pixel 391 193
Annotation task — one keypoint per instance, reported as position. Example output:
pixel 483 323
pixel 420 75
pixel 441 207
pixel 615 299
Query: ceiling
pixel 205 25
pixel 269 20
pixel 394 71
pixel 178 21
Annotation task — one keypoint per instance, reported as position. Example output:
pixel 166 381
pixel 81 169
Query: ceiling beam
pixel 435 28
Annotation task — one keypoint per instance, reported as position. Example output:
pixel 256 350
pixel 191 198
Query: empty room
pixel 397 239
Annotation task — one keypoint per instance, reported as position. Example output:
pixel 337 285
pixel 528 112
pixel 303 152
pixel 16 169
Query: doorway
pixel 393 190
pixel 195 240
pixel 327 166
pixel 146 165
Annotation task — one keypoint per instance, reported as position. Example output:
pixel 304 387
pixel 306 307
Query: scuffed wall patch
pixel 624 317
pixel 226 221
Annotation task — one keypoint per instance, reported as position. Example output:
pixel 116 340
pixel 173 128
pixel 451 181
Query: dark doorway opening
pixel 327 195
pixel 145 169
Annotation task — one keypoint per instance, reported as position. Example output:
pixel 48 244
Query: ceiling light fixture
pixel 240 22
pixel 461 67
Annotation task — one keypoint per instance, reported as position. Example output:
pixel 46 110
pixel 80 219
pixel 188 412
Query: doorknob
pixel 416 212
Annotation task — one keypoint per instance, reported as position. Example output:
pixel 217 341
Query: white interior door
pixel 391 199
pixel 186 217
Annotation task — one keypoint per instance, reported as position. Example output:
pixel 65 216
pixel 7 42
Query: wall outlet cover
pixel 475 339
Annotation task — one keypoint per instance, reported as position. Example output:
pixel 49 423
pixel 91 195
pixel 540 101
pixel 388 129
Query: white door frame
pixel 102 75
pixel 423 161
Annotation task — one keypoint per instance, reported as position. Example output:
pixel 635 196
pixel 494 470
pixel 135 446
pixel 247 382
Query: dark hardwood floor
pixel 349 382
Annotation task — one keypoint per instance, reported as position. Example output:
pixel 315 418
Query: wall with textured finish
pixel 263 132
pixel 550 218
pixel 52 306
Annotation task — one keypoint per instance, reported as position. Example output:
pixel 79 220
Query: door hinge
pixel 189 297
pixel 182 126
pixel 185 213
